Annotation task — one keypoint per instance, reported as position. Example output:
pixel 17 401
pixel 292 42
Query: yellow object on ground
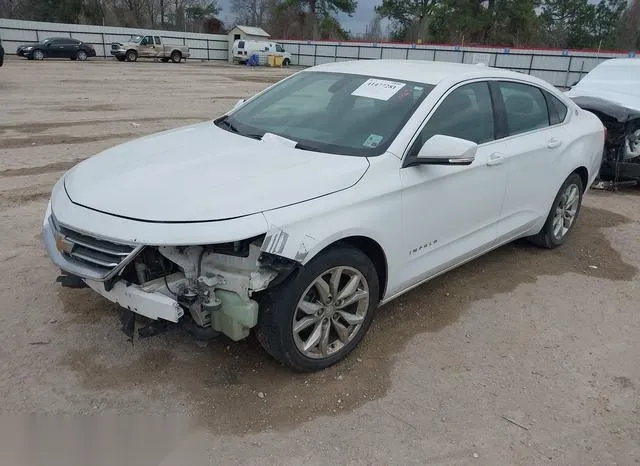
pixel 271 60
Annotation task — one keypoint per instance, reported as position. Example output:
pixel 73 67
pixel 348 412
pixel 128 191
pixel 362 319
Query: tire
pixel 286 62
pixel 555 230
pixel 81 55
pixel 280 308
pixel 176 57
pixel 131 55
pixel 37 54
pixel 120 58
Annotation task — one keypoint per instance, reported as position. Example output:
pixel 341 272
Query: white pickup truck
pixel 139 46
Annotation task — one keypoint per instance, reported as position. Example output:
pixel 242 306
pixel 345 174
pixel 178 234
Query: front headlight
pixel 28 48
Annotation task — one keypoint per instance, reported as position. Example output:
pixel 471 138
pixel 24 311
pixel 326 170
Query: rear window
pixel 241 44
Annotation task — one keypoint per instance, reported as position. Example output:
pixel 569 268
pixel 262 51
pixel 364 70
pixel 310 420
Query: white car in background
pixel 326 195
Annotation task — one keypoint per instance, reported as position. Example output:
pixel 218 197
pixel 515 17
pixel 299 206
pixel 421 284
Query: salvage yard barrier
pixel 561 68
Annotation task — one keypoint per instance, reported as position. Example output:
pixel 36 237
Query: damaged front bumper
pixel 209 288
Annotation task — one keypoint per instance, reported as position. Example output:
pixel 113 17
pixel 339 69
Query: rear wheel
pixel 286 62
pixel 563 215
pixel 320 314
pixel 176 57
pixel 132 55
pixel 81 55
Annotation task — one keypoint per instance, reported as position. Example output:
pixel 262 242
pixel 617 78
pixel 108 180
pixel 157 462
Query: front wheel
pixel 320 314
pixel 38 55
pixel 286 62
pixel 132 55
pixel 563 215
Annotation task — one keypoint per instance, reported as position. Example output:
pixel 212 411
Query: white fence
pixel 559 67
pixel 15 32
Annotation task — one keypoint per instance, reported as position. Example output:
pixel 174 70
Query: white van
pixel 243 49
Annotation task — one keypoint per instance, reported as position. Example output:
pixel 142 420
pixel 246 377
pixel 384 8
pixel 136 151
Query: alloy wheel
pixel 330 312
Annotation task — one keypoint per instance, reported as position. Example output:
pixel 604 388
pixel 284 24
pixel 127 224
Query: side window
pixel 157 39
pixel 525 107
pixel 241 44
pixel 279 48
pixel 466 113
pixel 148 40
pixel 557 110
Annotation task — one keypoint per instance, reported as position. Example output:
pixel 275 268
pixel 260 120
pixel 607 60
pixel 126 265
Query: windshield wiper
pixel 228 124
pixel 307 147
pixel 225 121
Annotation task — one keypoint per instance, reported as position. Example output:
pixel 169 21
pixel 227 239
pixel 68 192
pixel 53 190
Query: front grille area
pixel 115 46
pixel 104 257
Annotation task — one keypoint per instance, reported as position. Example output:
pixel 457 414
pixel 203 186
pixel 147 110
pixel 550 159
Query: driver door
pixel 147 48
pixel 450 213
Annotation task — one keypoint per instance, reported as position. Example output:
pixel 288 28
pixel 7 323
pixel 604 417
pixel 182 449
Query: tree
pixel 406 14
pixel 251 12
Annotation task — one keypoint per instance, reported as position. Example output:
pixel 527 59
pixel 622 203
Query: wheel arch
pixel 306 248
pixel 584 175
pixel 373 251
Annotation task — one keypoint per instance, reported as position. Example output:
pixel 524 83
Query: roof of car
pixel 428 72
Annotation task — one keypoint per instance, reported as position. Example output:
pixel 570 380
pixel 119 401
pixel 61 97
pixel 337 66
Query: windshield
pixel 135 38
pixel 331 112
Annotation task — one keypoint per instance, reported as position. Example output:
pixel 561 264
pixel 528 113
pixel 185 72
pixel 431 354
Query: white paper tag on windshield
pixel 378 89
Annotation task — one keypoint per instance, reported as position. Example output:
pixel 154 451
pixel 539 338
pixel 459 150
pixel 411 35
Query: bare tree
pixel 250 12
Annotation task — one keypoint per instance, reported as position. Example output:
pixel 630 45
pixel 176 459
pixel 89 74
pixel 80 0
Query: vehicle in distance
pixel 57 47
pixel 1 53
pixel 139 46
pixel 300 211
pixel 242 50
pixel 612 92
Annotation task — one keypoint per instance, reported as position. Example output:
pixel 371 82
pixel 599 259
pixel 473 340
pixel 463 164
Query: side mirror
pixel 238 103
pixel 446 150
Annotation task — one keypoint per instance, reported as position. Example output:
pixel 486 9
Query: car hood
pixel 204 173
pixel 623 95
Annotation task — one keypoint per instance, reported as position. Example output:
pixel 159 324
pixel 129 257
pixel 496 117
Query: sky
pixel 356 23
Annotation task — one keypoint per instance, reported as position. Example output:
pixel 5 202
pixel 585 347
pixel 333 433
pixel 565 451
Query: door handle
pixel 495 159
pixel 553 143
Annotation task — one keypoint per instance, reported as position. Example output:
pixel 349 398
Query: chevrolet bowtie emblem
pixel 62 244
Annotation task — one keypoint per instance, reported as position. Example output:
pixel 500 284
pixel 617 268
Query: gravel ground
pixel 524 356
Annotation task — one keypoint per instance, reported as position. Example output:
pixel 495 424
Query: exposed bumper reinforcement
pixel 152 305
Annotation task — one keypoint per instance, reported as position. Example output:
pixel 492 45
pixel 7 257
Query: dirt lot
pixel 524 356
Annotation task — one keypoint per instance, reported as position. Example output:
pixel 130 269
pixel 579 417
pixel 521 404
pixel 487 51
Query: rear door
pixel 536 139
pixel 159 48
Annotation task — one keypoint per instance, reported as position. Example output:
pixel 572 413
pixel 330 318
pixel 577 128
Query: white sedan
pixel 302 210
